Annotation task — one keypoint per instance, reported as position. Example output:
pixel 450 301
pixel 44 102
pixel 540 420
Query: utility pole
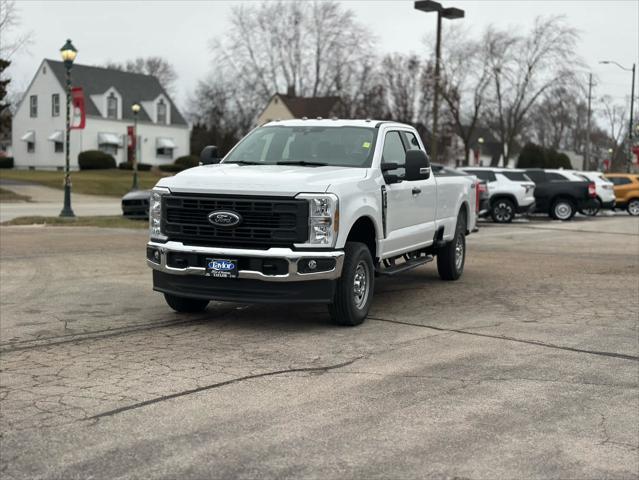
pixel 587 161
pixel 632 104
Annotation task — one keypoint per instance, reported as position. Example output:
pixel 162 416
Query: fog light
pixel 153 254
pixel 312 264
pixel 316 265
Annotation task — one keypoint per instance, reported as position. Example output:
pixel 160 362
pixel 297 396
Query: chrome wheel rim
pixel 563 211
pixel 361 285
pixel 503 212
pixel 459 252
pixel 633 208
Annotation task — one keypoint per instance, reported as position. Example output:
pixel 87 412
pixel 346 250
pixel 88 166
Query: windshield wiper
pixel 244 162
pixel 302 163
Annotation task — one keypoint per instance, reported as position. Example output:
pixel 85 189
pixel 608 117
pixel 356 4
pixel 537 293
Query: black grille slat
pixel 266 222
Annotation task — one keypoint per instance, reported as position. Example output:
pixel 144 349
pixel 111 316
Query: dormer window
pixel 161 112
pixel 112 106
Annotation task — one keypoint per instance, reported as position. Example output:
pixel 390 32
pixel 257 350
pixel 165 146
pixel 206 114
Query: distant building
pixel 39 122
pixel 286 107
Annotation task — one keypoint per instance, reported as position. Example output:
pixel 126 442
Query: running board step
pixel 404 267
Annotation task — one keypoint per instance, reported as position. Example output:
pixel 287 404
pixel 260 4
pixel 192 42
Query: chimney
pixel 290 91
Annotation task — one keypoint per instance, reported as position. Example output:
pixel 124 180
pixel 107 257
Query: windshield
pixel 307 146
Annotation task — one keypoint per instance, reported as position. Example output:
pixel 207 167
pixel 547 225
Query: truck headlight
pixel 155 213
pixel 323 218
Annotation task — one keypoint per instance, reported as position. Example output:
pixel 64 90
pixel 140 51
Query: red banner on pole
pixel 79 115
pixel 130 135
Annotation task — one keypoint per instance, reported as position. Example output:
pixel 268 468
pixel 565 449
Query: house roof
pixel 310 107
pixel 134 87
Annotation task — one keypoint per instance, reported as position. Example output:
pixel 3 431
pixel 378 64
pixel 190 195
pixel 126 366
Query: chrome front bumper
pixel 291 256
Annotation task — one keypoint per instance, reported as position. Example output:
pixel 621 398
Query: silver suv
pixel 510 191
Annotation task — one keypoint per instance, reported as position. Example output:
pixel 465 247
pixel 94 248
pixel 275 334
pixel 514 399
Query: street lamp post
pixel 480 143
pixel 135 108
pixel 68 53
pixel 632 104
pixel 451 14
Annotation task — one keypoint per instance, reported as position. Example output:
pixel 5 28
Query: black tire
pixel 502 210
pixel 591 212
pixel 562 209
pixel 449 265
pixel 348 308
pixel 184 304
pixel 633 207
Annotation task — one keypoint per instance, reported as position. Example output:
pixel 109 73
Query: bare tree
pixel 614 118
pixel 158 67
pixel 464 81
pixel 10 41
pixel 555 116
pixel 523 68
pixel 305 48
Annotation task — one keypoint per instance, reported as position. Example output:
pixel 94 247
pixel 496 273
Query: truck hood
pixel 284 180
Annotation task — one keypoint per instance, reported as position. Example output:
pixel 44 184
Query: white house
pixel 39 122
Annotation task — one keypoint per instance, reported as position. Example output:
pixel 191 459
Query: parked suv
pixel 560 197
pixel 605 192
pixel 626 187
pixel 509 191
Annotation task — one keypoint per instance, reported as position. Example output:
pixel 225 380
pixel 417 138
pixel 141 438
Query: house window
pixel 109 148
pixel 112 106
pixel 161 112
pixel 55 105
pixel 33 106
pixel 30 147
pixel 164 152
pixel 58 147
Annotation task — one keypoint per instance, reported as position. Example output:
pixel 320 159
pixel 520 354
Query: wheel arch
pixel 507 196
pixel 364 231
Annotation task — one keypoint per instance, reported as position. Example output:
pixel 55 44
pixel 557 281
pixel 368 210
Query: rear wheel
pixel 592 212
pixel 184 304
pixel 354 290
pixel 452 256
pixel 633 207
pixel 503 211
pixel 562 209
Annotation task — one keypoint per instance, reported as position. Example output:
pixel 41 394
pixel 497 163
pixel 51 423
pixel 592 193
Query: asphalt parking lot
pixel 528 367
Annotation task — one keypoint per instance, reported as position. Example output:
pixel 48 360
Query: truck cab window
pixel 394 152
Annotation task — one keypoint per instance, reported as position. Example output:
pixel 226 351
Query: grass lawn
pixel 112 183
pixel 9 196
pixel 99 221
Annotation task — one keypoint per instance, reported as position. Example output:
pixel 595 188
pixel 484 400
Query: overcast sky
pixel 181 32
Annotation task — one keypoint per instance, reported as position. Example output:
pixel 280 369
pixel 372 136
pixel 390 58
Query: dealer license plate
pixel 221 268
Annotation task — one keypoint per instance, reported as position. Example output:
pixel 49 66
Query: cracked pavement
pixel 528 367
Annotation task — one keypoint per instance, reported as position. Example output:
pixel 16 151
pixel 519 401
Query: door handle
pixel 417 191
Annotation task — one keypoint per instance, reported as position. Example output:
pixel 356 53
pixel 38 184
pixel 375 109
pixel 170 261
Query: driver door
pixel 410 214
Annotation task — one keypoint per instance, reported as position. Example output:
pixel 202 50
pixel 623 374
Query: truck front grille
pixel 266 221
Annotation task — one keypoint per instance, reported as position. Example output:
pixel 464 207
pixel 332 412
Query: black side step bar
pixel 404 267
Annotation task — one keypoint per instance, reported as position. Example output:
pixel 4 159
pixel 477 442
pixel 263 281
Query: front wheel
pixel 354 290
pixel 633 207
pixel 562 209
pixel 451 257
pixel 184 304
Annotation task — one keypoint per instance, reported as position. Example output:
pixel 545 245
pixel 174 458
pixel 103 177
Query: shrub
pixel 6 162
pixel 187 161
pixel 95 160
pixel 532 156
pixel 555 159
pixel 142 167
pixel 171 167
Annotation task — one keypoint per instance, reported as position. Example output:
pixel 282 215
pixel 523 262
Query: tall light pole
pixel 135 108
pixel 451 14
pixel 632 104
pixel 68 53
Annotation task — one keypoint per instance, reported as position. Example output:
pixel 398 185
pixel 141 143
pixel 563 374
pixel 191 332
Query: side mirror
pixel 417 165
pixel 209 155
pixel 389 177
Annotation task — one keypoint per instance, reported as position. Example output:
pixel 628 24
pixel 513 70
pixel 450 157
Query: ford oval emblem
pixel 224 218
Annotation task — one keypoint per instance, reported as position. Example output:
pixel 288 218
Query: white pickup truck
pixel 307 211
